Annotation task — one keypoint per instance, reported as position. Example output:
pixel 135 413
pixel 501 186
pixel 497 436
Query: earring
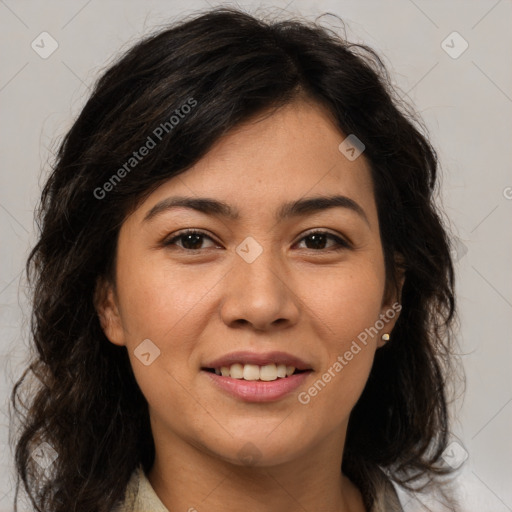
pixel 385 337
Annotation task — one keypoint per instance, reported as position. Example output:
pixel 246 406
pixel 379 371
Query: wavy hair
pixel 78 393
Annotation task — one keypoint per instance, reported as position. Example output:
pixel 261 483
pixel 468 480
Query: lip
pixel 246 357
pixel 257 391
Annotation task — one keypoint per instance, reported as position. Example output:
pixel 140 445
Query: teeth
pixel 267 372
pixel 251 372
pixel 236 371
pixel 281 370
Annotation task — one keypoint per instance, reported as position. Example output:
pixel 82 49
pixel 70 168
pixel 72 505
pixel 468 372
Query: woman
pixel 243 287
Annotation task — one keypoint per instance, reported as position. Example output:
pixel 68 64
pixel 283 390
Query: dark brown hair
pixel 84 400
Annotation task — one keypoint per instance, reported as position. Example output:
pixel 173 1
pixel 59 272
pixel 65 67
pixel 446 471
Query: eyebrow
pixel 287 210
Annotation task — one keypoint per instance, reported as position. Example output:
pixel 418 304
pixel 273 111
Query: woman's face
pixel 255 289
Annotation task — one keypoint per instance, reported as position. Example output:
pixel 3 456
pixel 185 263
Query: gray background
pixel 466 103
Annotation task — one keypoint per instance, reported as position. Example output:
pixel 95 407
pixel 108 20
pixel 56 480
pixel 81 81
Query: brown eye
pixel 191 240
pixel 318 239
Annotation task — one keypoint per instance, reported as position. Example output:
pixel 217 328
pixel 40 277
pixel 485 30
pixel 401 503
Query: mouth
pixel 253 377
pixel 253 372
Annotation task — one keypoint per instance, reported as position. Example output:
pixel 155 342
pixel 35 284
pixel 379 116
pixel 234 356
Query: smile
pixel 252 372
pixel 256 390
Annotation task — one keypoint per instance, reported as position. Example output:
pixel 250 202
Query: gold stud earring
pixel 385 337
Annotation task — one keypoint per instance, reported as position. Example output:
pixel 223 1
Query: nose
pixel 259 294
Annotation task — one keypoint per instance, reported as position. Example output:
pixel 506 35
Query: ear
pixel 105 303
pixel 392 303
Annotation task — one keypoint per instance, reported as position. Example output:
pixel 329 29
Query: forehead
pixel 274 158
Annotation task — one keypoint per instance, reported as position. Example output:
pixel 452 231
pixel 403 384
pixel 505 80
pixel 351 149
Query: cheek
pixel 160 299
pixel 169 311
pixel 345 301
pixel 345 308
pixel 170 306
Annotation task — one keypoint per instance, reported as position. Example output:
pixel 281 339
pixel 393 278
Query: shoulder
pixel 140 495
pixel 386 498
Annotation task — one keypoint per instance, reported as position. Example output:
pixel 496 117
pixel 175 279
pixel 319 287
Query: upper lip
pixel 246 357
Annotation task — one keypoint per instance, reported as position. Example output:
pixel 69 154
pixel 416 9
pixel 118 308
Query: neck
pixel 187 478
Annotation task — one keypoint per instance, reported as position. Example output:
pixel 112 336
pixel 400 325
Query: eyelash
pixel 340 243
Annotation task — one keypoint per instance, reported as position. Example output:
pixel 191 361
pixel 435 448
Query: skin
pixel 197 305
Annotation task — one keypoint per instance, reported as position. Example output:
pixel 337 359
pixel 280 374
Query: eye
pixel 318 239
pixel 191 240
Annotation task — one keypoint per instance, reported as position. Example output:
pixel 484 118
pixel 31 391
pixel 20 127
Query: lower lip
pixel 256 390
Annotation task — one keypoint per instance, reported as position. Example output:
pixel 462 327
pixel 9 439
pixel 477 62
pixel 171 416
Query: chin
pixel 261 450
